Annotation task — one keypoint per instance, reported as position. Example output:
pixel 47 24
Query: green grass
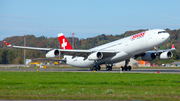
pixel 103 86
pixel 156 67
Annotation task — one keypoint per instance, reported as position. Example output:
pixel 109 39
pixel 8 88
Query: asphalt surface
pixel 102 70
pixel 12 65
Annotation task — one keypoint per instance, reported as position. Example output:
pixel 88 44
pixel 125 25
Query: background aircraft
pixel 113 52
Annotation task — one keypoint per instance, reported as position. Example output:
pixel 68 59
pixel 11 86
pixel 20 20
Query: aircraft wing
pixel 74 52
pixel 160 51
pixel 29 48
pixel 157 52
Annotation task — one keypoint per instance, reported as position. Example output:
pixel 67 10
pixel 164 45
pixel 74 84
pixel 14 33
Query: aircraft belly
pixel 80 62
pixel 121 56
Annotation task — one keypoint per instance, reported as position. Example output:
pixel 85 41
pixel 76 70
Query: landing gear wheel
pixel 95 68
pixel 122 68
pixel 99 68
pixel 91 68
pixel 109 68
pixel 125 68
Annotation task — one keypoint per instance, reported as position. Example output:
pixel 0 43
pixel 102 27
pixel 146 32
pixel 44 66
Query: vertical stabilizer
pixel 173 47
pixel 63 42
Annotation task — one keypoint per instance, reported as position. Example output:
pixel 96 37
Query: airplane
pixel 137 45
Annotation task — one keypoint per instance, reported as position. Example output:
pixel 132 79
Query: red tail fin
pixel 63 42
pixel 172 46
pixel 7 44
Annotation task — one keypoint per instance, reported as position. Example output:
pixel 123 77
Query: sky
pixel 86 18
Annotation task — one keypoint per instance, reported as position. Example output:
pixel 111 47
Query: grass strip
pixel 78 85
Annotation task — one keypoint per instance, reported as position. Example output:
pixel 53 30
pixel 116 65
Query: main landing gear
pixel 125 66
pixel 109 67
pixel 95 68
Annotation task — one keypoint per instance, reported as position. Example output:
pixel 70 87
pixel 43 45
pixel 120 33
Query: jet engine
pixel 148 57
pixel 95 56
pixel 166 55
pixel 52 53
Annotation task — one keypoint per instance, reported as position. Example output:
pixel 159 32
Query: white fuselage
pixel 125 48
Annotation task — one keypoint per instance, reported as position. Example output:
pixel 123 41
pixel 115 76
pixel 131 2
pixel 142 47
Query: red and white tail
pixel 173 47
pixel 63 42
pixel 7 44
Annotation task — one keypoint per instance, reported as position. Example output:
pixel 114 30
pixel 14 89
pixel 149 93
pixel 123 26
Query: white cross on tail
pixel 64 44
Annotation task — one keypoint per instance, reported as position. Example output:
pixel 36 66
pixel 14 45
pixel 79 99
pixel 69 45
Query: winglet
pixel 7 44
pixel 173 47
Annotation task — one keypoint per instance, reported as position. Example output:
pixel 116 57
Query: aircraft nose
pixel 166 36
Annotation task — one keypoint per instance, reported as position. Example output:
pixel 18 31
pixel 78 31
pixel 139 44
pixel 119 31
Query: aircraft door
pixel 150 36
pixel 126 43
pixel 149 40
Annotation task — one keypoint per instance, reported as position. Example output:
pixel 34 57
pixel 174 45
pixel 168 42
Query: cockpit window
pixel 162 32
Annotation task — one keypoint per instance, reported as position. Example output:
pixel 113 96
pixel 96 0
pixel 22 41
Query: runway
pixel 12 65
pixel 102 71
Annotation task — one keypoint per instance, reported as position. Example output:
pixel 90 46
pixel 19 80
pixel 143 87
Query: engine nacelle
pixel 149 57
pixel 52 53
pixel 95 56
pixel 166 55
